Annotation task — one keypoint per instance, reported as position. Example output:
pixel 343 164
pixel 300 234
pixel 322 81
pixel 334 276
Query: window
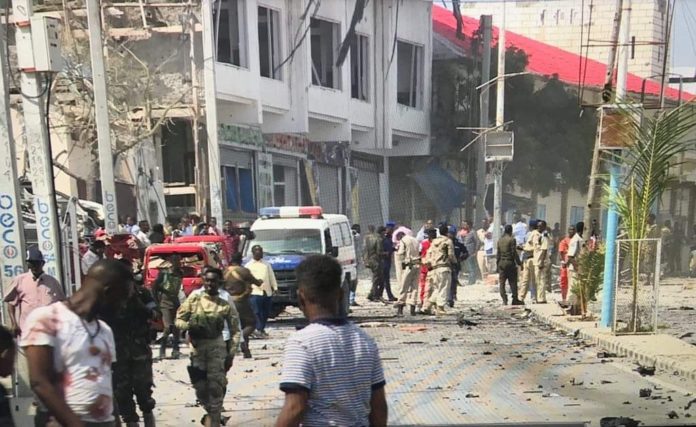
pixel 269 43
pixel 576 214
pixel 359 68
pixel 337 238
pixel 239 189
pixel 279 186
pixel 347 234
pixel 230 34
pixel 409 74
pixel 324 39
pixel 178 154
pixel 541 211
pixel 287 241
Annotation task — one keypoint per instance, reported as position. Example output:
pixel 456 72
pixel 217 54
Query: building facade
pixel 569 24
pixel 296 127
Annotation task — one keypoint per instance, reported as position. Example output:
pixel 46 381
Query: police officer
pixel 408 258
pixel 508 260
pixel 204 315
pixel 439 259
pixel 132 371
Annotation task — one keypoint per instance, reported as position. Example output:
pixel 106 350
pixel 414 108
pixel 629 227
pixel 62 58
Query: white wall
pixel 561 26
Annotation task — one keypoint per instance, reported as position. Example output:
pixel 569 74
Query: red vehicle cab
pixel 217 241
pixel 194 256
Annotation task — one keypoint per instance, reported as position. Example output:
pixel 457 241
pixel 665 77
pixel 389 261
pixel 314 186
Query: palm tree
pixel 656 144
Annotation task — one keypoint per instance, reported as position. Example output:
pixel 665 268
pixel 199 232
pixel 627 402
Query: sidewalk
pixel 662 351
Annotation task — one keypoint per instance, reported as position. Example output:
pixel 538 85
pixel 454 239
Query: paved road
pixel 506 369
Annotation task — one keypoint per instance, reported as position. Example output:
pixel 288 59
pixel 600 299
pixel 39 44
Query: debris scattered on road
pixel 413 329
pixel 688 405
pixel 686 335
pixel 673 415
pixel 414 342
pixel 606 355
pixel 576 382
pixel 462 321
pixel 443 339
pixel 550 395
pixel 645 392
pixel 571 404
pixel 377 325
pixel 486 353
pixel 618 422
pixel 471 395
pixel 686 308
pixel 627 403
pixel 645 370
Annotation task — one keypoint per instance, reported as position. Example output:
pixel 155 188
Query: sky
pixel 684 34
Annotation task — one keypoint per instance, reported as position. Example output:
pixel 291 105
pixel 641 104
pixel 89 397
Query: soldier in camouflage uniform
pixel 132 371
pixel 204 316
pixel 166 289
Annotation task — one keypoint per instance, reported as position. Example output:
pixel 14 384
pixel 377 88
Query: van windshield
pixel 278 242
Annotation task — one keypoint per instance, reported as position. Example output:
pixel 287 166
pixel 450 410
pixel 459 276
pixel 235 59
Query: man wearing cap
pixel 31 290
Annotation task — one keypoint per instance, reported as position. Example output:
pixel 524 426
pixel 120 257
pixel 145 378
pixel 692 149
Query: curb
pixel 613 344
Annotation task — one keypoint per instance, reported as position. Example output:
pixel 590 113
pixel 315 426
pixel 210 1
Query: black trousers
pixel 508 273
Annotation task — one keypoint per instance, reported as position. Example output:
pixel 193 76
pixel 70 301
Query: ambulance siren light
pixel 291 212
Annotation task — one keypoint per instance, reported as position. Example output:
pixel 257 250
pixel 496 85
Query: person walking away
pixel 470 242
pixel 519 230
pixel 423 279
pixel 410 261
pixel 576 247
pixel 132 372
pixel 70 350
pixel 461 254
pixel 332 372
pixel 484 248
pixel 507 261
pixel 31 290
pixel 238 282
pixel 387 256
pixel 166 289
pixel 158 235
pixel 357 245
pixel 94 253
pixel 528 281
pixel 439 260
pixel 204 316
pixel 373 260
pixel 667 238
pixel 542 262
pixel 8 351
pixel 563 257
pixel 261 295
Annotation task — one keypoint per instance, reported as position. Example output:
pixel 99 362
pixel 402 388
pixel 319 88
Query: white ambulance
pixel 289 234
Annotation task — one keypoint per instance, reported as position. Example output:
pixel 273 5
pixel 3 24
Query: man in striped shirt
pixel 332 373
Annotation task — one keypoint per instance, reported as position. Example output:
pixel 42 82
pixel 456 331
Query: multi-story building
pixel 572 24
pixel 296 127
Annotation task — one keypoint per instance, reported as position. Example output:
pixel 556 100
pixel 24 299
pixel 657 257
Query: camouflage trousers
pixel 133 378
pixel 208 358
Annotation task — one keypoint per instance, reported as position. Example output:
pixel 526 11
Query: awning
pixel 440 187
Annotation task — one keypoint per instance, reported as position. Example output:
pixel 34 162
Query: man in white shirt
pixel 93 254
pixel 261 295
pixel 575 248
pixel 70 351
pixel 486 250
pixel 519 231
pixel 143 234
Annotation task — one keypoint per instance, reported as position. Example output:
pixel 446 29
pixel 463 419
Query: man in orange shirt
pixel 563 256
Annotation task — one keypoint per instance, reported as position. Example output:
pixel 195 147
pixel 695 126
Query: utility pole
pixel 211 119
pixel 12 235
pixel 606 97
pixel 499 123
pixel 486 24
pixel 101 117
pixel 37 143
pixel 614 176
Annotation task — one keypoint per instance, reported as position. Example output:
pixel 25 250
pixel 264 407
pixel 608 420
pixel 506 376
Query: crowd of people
pixel 429 263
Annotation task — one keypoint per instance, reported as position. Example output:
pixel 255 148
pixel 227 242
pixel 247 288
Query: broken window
pixel 359 68
pixel 409 74
pixel 325 37
pixel 178 154
pixel 230 34
pixel 269 42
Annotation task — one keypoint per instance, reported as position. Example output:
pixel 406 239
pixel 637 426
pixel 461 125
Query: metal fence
pixel 638 266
